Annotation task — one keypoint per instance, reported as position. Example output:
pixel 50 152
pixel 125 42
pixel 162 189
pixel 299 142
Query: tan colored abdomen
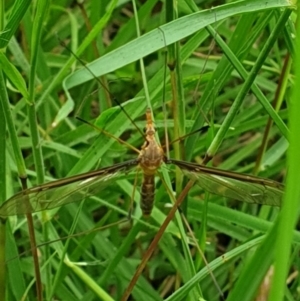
pixel 147 195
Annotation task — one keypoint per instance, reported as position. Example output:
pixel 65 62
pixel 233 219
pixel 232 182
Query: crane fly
pixel 230 184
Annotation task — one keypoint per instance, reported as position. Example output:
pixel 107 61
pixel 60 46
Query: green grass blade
pixel 290 212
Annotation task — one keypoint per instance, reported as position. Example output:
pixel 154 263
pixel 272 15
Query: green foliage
pixel 240 85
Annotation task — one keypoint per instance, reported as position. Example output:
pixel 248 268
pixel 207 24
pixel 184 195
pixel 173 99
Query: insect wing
pixel 235 189
pixel 45 197
pixel 264 191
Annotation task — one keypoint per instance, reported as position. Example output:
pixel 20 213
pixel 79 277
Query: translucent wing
pixel 234 185
pixel 64 191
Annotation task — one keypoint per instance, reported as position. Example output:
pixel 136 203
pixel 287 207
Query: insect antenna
pixel 108 134
pixel 204 129
pixel 102 85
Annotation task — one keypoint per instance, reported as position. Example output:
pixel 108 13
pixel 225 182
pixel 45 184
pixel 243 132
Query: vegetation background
pixel 200 60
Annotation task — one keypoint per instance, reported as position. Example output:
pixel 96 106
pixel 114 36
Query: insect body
pixel 242 187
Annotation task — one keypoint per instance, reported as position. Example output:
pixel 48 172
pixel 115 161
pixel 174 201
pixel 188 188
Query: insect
pixel 80 187
pixel 234 185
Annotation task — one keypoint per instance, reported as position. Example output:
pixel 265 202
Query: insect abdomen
pixel 147 195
